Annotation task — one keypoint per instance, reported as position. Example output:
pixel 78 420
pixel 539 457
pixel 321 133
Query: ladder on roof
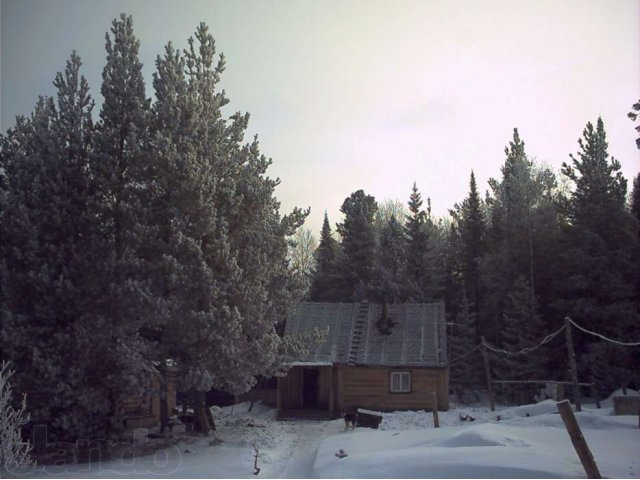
pixel 358 332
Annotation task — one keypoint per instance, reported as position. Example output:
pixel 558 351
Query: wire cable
pixel 624 344
pixel 546 339
pixel 461 357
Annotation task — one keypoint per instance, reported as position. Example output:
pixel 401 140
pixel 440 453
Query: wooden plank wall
pixel 290 389
pixel 324 393
pixel 368 387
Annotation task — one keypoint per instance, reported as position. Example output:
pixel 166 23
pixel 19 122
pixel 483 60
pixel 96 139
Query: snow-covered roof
pixel 417 339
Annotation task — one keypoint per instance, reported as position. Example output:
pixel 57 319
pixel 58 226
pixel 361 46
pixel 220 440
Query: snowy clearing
pixel 528 442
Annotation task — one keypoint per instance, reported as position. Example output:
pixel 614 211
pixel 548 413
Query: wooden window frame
pixel 402 373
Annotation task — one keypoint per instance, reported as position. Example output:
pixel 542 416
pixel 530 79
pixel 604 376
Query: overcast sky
pixel 370 94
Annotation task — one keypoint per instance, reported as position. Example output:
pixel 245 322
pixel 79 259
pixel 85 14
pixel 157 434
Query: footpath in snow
pixel 529 441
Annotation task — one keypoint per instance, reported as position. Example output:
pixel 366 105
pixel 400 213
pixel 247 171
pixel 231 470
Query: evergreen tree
pixel 522 234
pixel 599 250
pixel 224 277
pixel 391 264
pixel 465 370
pixel 424 273
pixel 121 171
pixel 634 116
pixel 522 328
pixel 470 228
pixel 324 286
pixel 52 247
pixel 358 245
pixel 635 198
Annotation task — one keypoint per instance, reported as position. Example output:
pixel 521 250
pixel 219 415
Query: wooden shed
pixel 357 366
pixel 144 411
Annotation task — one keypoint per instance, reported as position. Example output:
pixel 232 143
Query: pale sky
pixel 365 94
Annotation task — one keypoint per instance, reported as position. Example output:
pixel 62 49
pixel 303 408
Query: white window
pixel 400 382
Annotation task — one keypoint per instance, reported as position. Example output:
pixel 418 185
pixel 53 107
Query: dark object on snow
pixel 187 419
pixel 341 453
pixel 368 418
pixel 350 420
pixel 255 459
pixel 465 417
pixel 625 405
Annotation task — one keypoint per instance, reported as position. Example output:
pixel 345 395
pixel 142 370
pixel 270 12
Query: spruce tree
pixel 521 236
pixel 465 370
pixel 358 245
pixel 471 230
pixel 522 329
pixel 390 285
pixel 324 287
pixel 424 275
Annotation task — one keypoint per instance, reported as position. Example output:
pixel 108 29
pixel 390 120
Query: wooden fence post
pixel 487 373
pixel 579 443
pixel 434 409
pixel 573 369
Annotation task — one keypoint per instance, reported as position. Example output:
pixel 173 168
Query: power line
pixel 546 339
pixel 453 362
pixel 624 344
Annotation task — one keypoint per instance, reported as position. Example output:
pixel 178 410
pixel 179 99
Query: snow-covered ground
pixel 527 442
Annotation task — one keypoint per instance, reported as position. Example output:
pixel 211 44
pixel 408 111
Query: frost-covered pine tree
pixel 220 273
pixel 15 455
pixel 120 167
pixel 50 248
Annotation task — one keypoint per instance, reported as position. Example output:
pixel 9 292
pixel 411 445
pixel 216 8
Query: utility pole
pixel 573 370
pixel 487 373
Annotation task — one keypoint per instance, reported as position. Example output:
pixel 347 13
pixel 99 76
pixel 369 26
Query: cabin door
pixel 310 387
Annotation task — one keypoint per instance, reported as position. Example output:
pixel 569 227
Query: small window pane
pixel 400 382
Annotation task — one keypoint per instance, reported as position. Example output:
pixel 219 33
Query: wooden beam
pixel 554 382
pixel 579 443
pixel 434 409
pixel 487 373
pixel 572 364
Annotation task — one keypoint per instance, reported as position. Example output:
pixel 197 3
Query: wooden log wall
pixel 369 387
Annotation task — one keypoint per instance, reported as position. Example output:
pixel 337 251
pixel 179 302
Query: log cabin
pixel 385 358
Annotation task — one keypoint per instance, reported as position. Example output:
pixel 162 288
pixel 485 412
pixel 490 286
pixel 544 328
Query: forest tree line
pixel 509 265
pixel 153 234
pixel 149 235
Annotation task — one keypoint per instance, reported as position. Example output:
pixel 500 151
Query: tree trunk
pixel 201 419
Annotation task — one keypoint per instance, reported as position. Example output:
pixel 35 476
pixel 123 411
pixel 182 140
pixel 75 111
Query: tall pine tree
pixel 52 248
pixel 600 252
